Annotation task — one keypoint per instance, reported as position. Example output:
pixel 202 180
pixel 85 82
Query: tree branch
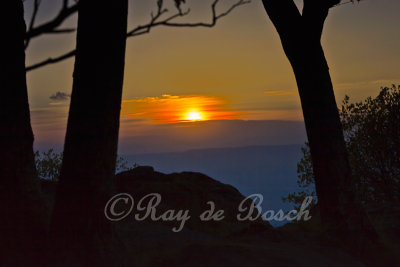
pixel 214 19
pixel 61 31
pixel 155 21
pixel 348 2
pixel 65 3
pixel 314 15
pixel 51 61
pixel 284 15
pixel 51 26
pixel 36 6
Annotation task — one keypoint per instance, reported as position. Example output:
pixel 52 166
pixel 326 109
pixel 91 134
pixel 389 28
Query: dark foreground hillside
pixel 223 243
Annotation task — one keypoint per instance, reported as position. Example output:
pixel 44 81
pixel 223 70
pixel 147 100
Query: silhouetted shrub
pixel 372 134
pixel 48 164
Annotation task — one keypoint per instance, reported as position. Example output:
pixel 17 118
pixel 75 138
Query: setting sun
pixel 178 109
pixel 194 116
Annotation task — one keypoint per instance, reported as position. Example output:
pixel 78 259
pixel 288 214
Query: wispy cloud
pixel 60 96
pixel 278 92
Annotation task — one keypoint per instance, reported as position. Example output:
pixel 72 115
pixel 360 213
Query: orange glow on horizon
pixel 175 109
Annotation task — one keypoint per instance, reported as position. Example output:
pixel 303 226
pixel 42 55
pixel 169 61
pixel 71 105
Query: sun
pixel 194 116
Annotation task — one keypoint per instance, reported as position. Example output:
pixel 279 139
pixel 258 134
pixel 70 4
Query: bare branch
pixel 178 5
pixel 214 19
pixel 52 25
pixel 61 31
pixel 348 2
pixel 155 21
pixel 65 3
pixel 36 6
pixel 51 61
pixel 240 3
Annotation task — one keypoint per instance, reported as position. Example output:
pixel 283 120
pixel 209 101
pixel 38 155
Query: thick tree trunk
pixel 21 209
pixel 324 131
pixel 337 197
pixel 338 200
pixel 79 227
pixel 334 185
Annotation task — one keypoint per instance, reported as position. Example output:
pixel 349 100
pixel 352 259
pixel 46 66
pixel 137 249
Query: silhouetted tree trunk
pixel 22 220
pixel 301 39
pixel 79 227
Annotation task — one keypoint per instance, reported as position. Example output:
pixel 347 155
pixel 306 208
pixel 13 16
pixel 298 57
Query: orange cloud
pixel 278 92
pixel 169 108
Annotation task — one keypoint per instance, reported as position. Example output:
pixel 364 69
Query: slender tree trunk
pixel 22 220
pixel 301 39
pixel 79 227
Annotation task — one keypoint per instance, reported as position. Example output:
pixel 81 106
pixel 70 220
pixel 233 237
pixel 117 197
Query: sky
pixel 207 79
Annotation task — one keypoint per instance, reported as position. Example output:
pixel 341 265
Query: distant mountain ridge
pixel 140 138
pixel 180 137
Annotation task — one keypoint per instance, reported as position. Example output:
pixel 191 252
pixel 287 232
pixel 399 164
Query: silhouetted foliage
pixel 372 131
pixel 123 165
pixel 48 164
pixel 305 180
